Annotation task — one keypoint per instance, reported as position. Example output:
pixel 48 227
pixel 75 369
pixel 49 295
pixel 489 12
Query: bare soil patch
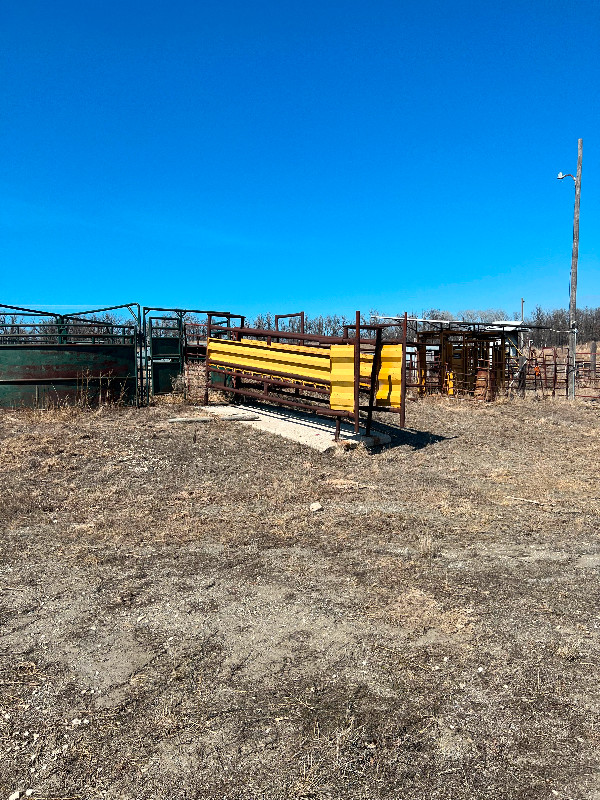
pixel 176 622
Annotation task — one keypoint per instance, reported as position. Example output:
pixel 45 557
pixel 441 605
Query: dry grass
pixel 177 623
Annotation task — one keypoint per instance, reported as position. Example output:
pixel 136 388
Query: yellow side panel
pixel 366 365
pixel 390 376
pixel 256 356
pixel 342 377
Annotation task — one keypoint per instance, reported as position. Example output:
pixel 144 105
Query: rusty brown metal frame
pixel 299 314
pixel 318 388
pixel 475 341
pixel 370 407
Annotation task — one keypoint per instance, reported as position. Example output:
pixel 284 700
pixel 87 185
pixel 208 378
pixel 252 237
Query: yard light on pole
pixel 575 254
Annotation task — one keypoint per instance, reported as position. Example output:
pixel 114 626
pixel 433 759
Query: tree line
pixel 549 328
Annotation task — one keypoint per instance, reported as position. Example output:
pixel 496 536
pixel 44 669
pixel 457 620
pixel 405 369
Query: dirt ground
pixel 176 622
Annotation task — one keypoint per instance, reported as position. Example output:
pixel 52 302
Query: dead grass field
pixel 176 623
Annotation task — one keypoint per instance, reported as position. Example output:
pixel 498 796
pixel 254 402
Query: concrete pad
pixel 307 429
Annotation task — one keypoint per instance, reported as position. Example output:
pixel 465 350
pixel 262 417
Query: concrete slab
pixel 307 429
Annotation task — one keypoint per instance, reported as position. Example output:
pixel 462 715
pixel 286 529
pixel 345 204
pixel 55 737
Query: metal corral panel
pixel 164 375
pixel 342 377
pixel 36 374
pixel 366 368
pixel 311 363
pixel 389 390
pixel 165 346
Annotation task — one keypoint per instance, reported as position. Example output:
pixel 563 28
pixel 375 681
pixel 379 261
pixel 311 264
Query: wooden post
pixel 574 256
pixel 593 359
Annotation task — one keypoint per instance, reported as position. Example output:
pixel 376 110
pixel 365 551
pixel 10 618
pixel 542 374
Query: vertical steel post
pixel 144 356
pixel 593 349
pixel 180 332
pixel 357 375
pixel 521 338
pixel 137 338
pixel 137 357
pixel 149 358
pixel 237 381
pixel 403 373
pixel 374 375
pixel 206 362
pixel 61 329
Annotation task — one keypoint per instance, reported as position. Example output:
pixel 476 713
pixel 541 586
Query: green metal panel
pixel 38 374
pixel 164 375
pixel 166 359
pixel 165 347
pixel 220 379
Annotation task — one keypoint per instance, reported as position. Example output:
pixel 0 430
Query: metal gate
pixel 174 339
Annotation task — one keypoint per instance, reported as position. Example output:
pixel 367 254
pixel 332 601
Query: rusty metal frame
pixel 464 358
pixel 275 385
pixel 298 314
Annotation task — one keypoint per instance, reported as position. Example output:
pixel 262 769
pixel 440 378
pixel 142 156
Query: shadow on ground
pixel 409 437
pixel 401 437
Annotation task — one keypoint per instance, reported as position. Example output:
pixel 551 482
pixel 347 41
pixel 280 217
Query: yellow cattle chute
pixel 311 363
pixel 329 365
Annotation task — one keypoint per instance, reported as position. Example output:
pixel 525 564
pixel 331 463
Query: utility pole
pixel 574 257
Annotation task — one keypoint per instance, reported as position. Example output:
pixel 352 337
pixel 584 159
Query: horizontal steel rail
pixel 275 373
pixel 271 378
pixel 321 410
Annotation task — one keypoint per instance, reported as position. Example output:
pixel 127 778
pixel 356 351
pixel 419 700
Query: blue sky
pixel 280 156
